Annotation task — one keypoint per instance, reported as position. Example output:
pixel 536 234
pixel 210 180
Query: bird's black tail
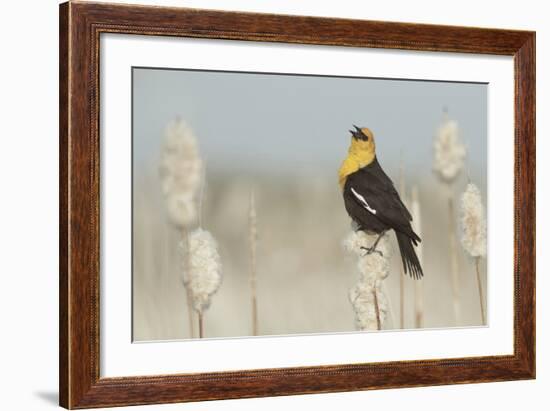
pixel 408 255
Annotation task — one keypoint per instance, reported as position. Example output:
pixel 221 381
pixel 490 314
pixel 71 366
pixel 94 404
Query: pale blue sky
pixel 269 123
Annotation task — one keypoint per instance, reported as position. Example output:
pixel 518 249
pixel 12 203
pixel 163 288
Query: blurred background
pixel 284 137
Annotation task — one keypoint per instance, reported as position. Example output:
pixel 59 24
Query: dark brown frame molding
pixel 81 24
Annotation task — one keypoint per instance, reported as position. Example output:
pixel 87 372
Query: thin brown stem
pixel 480 290
pixel 419 304
pixel 402 276
pixel 402 300
pixel 254 315
pixel 252 242
pixel 188 294
pixel 377 309
pixel 201 193
pixel 418 284
pixel 201 324
pixel 454 260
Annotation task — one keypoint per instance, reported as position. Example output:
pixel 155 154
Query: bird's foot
pixel 370 250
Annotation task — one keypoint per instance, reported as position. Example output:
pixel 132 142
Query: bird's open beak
pixel 357 131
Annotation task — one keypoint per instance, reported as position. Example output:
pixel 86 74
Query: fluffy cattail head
pixel 180 173
pixel 366 299
pixel 474 225
pixel 373 266
pixel 449 151
pixel 204 275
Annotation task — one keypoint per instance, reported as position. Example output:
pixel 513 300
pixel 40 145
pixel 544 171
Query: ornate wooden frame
pixel 80 27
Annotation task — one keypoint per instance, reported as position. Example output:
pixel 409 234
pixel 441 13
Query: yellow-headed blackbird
pixel 372 201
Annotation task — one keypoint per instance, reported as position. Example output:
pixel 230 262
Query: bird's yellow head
pixel 360 154
pixel 362 144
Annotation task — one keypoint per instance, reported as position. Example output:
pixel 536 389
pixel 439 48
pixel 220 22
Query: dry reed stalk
pixel 418 284
pixel 377 309
pixel 402 300
pixel 474 234
pixel 402 276
pixel 453 253
pixel 252 242
pixel 448 162
pixel 201 193
pixel 480 292
pixel 419 304
pixel 185 276
pixel 201 325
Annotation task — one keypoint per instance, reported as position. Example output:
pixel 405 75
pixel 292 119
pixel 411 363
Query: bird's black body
pixel 373 203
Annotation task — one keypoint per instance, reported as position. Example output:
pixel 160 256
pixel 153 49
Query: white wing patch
pixel 363 201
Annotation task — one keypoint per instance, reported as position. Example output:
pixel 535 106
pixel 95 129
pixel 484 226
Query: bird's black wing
pixel 374 191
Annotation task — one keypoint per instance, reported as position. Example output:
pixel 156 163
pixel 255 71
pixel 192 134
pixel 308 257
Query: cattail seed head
pixel 449 151
pixel 180 173
pixel 205 268
pixel 365 304
pixel 367 299
pixel 373 266
pixel 474 225
pixel 357 239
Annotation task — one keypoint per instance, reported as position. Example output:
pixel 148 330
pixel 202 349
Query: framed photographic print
pixel 258 205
